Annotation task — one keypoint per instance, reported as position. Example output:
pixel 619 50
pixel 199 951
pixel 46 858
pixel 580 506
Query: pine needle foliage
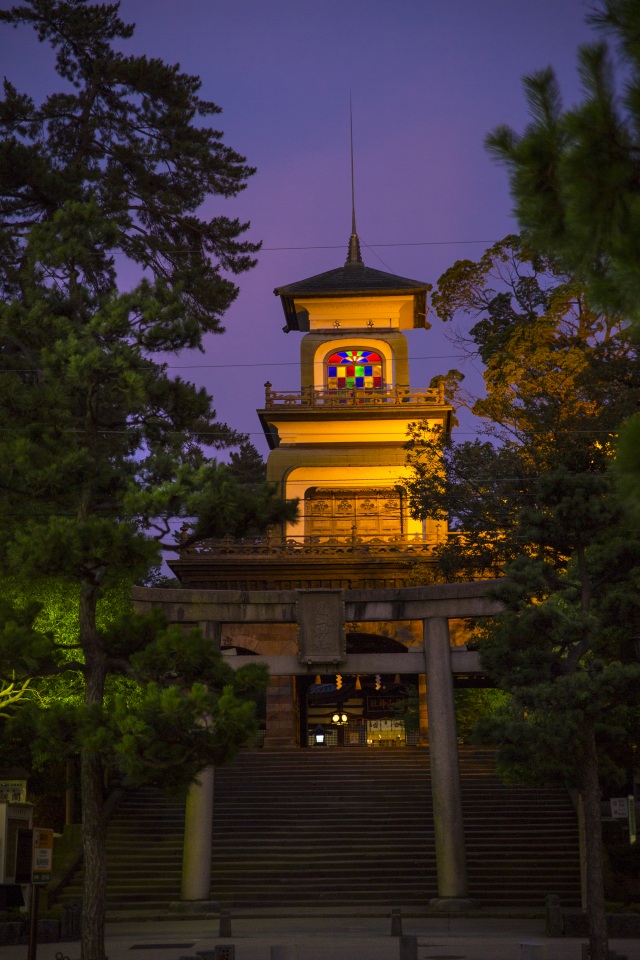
pixel 534 503
pixel 110 254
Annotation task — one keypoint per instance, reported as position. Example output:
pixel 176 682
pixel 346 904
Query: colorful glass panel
pixel 349 369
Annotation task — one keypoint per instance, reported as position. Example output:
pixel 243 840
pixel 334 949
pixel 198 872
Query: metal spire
pixel 354 257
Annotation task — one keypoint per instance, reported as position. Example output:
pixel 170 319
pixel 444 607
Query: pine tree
pixel 536 502
pixel 100 449
pixel 575 181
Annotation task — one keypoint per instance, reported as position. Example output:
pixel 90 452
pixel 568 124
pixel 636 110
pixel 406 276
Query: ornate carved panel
pixel 366 513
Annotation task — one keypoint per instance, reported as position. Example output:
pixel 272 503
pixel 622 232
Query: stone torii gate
pixel 320 615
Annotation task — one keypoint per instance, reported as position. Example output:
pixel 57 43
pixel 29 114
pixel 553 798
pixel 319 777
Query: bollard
pixel 396 922
pixel 224 951
pixel 554 921
pixel 225 924
pixel 408 948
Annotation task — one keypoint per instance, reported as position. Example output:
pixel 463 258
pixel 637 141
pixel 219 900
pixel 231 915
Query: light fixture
pixel 340 719
pixel 358 684
pixel 318 680
pixel 318 735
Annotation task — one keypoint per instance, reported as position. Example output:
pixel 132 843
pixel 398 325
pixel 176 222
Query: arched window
pixel 349 369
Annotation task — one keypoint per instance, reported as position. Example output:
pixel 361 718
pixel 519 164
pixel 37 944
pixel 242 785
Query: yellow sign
pixel 42 854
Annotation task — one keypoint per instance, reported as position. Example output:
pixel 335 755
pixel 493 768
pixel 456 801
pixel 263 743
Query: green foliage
pixel 247 466
pixel 133 135
pixel 171 731
pixel 473 708
pixel 171 702
pixel 574 172
pixel 575 178
pixel 12 694
pixel 536 501
pixel 408 709
pixel 626 466
pixel 101 450
pixel 559 379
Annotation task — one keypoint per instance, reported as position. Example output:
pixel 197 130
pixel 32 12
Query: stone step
pixel 345 827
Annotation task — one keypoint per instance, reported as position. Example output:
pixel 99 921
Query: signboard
pixel 624 808
pixel 320 615
pixel 381 705
pixel 619 808
pixel 34 855
pixel 13 791
pixel 42 854
pixel 385 725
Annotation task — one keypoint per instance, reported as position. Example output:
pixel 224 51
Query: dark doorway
pixel 364 710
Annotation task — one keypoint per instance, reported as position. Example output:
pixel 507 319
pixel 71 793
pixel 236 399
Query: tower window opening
pixel 354 369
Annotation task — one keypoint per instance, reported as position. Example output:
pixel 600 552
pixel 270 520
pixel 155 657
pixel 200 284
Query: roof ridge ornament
pixel 354 256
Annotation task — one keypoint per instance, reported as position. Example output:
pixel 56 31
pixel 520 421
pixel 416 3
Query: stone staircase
pixel 346 828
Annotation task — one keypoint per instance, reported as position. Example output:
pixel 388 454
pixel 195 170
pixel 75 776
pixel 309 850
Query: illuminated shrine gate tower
pixel 337 444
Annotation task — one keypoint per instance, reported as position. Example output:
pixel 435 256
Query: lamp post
pixel 340 720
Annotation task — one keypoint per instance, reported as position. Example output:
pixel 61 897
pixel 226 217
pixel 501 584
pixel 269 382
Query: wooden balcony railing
pixel 318 547
pixel 312 398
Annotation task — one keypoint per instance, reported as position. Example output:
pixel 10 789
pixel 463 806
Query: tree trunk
pixel 93 847
pixel 596 913
pixel 92 784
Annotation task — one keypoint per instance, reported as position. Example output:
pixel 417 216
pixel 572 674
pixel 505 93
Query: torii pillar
pixel 448 824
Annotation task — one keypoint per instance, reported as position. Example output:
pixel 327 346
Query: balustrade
pixel 314 547
pixel 313 398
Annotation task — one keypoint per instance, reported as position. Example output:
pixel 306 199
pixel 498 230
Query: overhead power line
pixel 290 363
pixel 416 243
pixel 326 246
pixel 228 366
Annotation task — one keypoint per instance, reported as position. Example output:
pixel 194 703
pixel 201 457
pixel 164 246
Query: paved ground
pixel 330 938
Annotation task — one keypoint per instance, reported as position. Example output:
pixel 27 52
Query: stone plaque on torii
pixel 321 637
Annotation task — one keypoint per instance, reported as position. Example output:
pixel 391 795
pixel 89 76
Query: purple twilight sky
pixel 428 80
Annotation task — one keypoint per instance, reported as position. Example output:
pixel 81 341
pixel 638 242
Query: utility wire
pixel 416 243
pixel 105 254
pixel 224 366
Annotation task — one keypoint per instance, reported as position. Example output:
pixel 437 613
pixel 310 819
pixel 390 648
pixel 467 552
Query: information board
pixel 34 855
pixel 42 854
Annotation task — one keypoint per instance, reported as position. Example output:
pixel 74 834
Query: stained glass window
pixel 347 369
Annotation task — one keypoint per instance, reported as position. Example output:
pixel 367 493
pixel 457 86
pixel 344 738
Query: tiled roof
pixel 352 280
